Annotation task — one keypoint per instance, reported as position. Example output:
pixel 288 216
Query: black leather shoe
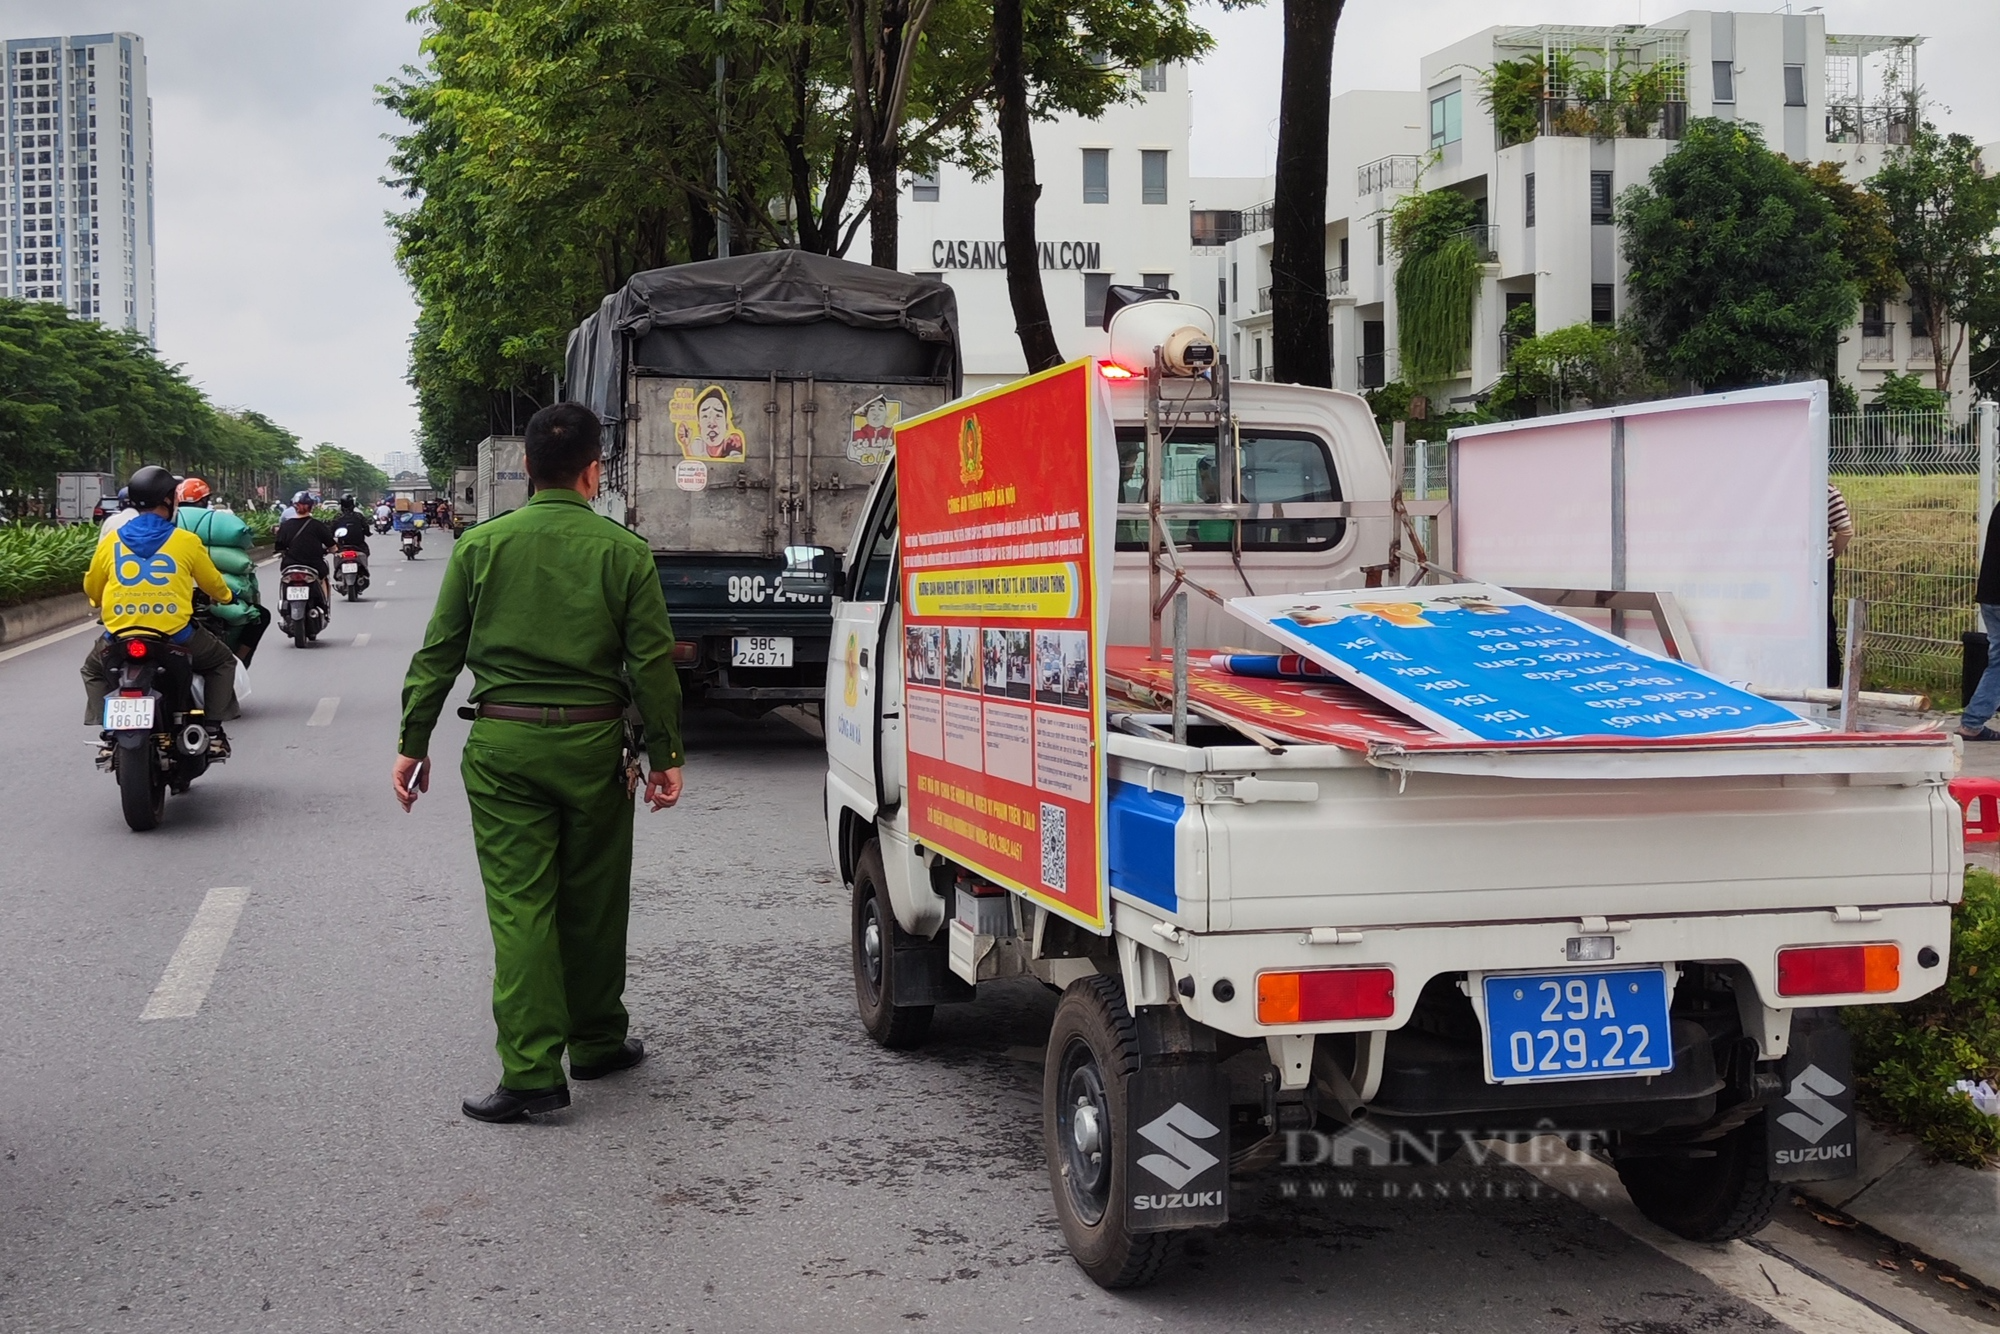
pixel 627 1056
pixel 505 1104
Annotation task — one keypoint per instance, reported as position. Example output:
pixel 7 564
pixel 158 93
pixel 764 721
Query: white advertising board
pixel 1718 499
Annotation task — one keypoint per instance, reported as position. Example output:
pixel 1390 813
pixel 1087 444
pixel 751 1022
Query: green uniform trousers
pixel 552 822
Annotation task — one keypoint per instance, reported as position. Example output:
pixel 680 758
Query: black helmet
pixel 347 502
pixel 150 487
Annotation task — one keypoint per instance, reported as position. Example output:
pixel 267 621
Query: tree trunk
pixel 1019 191
pixel 884 217
pixel 1300 353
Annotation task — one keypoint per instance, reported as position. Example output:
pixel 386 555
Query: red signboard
pixel 1005 503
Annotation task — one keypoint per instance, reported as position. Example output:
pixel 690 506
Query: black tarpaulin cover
pixel 783 312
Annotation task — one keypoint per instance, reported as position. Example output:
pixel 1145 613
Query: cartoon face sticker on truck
pixel 872 430
pixel 705 425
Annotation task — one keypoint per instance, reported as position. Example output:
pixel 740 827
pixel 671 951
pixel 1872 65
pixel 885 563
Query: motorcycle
pixel 351 575
pixel 302 612
pixel 381 526
pixel 155 738
pixel 413 540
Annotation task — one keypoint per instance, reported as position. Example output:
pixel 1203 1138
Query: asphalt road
pixel 291 1156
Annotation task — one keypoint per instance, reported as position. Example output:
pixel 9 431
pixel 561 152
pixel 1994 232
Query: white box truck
pixel 501 483
pixel 1377 931
pixel 77 494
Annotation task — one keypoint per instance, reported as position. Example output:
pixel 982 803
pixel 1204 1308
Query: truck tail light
pixel 686 654
pixel 1839 970
pixel 1111 370
pixel 1326 993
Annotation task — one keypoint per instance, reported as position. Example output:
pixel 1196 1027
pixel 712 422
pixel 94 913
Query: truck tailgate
pixel 1395 838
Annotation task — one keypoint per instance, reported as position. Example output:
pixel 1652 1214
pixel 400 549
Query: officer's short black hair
pixel 562 441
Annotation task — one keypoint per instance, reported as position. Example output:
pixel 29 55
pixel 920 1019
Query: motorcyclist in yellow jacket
pixel 143 577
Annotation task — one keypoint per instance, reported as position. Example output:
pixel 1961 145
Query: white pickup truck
pixel 1640 944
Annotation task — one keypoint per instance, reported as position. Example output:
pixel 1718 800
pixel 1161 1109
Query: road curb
pixel 38 618
pixel 1944 1210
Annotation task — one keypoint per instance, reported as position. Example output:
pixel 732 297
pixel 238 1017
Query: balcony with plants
pixel 1587 83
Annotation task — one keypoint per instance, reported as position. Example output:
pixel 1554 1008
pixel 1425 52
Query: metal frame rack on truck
pixel 748 405
pixel 1278 896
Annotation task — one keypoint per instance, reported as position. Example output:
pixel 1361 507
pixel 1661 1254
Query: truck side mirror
pixel 811 572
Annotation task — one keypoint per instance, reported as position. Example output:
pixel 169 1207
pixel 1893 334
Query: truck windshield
pixel 1278 467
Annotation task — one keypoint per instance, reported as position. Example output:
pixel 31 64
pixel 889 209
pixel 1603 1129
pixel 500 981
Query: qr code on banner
pixel 1055 847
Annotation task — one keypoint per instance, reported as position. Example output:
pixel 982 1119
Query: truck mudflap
pixel 1177 1104
pixel 1810 1134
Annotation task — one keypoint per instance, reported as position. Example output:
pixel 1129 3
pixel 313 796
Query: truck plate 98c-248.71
pixel 1551 1026
pixel 760 651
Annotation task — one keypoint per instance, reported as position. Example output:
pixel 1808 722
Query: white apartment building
pixel 78 192
pixel 1543 200
pixel 1117 206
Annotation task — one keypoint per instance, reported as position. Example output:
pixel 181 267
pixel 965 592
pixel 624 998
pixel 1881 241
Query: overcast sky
pixel 277 288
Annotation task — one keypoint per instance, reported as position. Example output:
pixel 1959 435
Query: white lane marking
pixel 1798 1298
pixel 323 715
pixel 392 583
pixel 379 604
pixel 46 639
pixel 361 641
pixel 190 973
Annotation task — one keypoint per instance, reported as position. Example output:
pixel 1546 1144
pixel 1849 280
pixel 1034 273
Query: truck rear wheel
pixel 1712 1198
pixel 899 1027
pixel 1093 1052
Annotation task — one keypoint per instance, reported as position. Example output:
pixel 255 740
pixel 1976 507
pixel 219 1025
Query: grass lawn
pixel 1915 558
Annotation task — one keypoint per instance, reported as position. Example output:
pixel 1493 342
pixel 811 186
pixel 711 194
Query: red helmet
pixel 191 492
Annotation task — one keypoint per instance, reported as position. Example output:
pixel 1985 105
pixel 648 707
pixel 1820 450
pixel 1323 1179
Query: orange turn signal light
pixel 1839 970
pixel 1318 994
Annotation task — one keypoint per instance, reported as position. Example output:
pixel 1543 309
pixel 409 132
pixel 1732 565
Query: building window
pixel 1725 80
pixel 924 189
pixel 1221 295
pixel 1795 85
pixel 1096 175
pixel 1153 77
pixel 1159 282
pixel 1257 370
pixel 1378 242
pixel 1874 323
pixel 1602 303
pixel 1343 257
pixel 1447 120
pixel 1096 286
pixel 1528 194
pixel 1153 176
pixel 1600 198
pixel 1235 285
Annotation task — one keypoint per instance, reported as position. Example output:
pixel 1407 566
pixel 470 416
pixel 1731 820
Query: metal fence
pixel 1918 485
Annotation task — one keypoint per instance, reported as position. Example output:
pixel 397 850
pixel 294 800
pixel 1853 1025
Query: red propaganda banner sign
pixel 1006 503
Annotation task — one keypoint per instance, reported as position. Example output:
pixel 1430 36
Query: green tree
pixel 1047 59
pixel 1437 282
pixel 1736 272
pixel 1594 365
pixel 1942 211
pixel 76 395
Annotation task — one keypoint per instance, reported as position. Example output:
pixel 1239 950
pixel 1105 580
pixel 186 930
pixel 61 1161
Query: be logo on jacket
pixel 143 576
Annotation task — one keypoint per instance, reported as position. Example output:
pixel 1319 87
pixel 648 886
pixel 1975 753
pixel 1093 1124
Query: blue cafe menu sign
pixel 1478 663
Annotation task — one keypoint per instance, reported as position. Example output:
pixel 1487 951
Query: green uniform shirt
pixel 551 604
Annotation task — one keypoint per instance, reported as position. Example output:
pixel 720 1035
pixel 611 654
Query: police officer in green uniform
pixel 558 612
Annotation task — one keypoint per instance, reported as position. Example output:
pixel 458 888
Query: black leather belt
pixel 546 714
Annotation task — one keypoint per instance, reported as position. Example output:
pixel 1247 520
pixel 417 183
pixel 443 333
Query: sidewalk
pixel 1948 1212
